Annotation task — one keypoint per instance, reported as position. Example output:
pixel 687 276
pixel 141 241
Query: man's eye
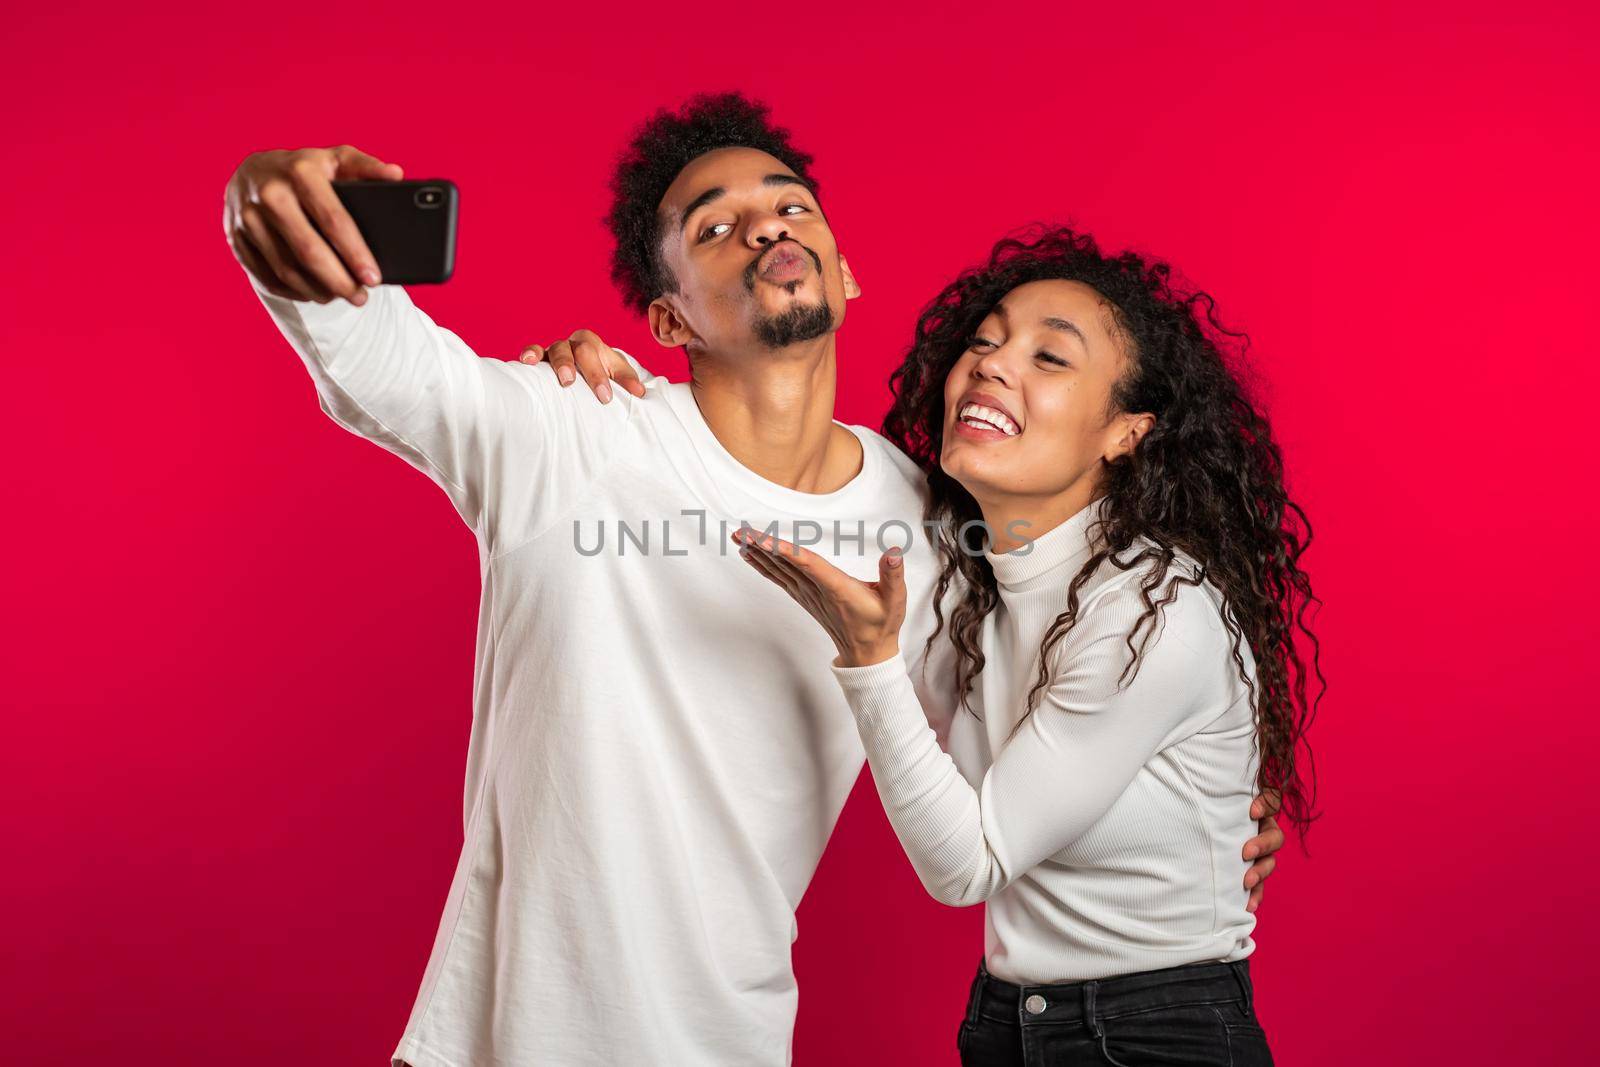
pixel 716 229
pixel 789 209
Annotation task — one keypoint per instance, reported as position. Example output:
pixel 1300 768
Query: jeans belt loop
pixel 1090 1018
pixel 1237 967
pixel 976 996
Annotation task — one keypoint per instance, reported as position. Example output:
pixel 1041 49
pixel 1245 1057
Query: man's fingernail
pixel 359 298
pixel 894 561
pixel 565 375
pixel 604 392
pixel 370 276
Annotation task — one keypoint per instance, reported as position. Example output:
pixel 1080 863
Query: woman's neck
pixel 1013 521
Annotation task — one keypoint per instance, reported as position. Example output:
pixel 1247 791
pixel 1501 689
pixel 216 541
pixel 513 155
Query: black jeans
pixel 1195 1015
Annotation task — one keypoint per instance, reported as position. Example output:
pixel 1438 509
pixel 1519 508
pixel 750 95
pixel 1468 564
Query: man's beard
pixel 802 322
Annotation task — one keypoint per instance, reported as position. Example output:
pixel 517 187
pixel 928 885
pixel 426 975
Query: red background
pixel 239 641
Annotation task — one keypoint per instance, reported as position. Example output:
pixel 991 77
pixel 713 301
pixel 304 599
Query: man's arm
pixel 484 430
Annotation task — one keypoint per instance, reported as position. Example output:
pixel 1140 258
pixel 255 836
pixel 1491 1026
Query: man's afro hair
pixel 659 150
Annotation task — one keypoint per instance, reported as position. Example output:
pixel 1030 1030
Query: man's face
pixel 754 260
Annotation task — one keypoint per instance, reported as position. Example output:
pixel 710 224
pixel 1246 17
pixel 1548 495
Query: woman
pixel 1121 592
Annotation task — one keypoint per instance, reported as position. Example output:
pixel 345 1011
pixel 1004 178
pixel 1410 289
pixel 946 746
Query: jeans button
pixel 1035 1004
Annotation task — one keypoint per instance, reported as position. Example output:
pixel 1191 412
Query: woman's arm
pixel 1056 777
pixel 1062 770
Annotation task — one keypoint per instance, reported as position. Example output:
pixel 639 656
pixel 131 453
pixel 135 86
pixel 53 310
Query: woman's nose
pixel 992 366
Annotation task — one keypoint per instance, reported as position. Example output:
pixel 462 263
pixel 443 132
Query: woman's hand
pixel 863 618
pixel 598 362
pixel 1264 810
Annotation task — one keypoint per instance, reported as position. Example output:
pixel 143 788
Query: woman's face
pixel 1027 407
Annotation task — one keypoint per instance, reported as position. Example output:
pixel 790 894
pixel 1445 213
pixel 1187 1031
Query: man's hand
pixel 597 361
pixel 268 210
pixel 1261 847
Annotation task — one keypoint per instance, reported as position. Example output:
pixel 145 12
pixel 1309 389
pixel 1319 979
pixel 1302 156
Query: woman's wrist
pixel 867 655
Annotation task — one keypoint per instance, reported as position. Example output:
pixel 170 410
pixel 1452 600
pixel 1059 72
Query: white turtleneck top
pixel 1105 835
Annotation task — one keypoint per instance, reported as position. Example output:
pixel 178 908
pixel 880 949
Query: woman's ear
pixel 668 327
pixel 851 289
pixel 1130 430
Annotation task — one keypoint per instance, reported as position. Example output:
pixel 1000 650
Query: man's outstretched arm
pixel 484 430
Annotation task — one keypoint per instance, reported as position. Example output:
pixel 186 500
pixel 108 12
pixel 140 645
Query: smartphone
pixel 410 226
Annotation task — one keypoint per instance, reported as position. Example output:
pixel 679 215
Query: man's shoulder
pixel 578 400
pixel 897 467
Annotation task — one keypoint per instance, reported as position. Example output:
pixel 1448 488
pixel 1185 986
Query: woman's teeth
pixel 989 418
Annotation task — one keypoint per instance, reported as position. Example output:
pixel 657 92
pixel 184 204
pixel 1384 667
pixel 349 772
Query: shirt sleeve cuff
pixel 880 695
pixel 315 316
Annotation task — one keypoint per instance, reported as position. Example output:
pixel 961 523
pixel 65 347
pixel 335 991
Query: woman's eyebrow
pixel 1063 326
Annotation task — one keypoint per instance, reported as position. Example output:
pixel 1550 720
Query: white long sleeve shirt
pixel 658 752
pixel 1105 836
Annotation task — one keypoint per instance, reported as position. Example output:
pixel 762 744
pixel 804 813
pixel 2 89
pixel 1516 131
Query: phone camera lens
pixel 430 197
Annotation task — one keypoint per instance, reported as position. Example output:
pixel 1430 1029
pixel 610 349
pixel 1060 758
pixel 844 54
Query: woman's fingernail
pixel 604 392
pixel 370 275
pixel 565 376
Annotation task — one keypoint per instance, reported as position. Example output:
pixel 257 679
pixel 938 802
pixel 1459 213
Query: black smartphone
pixel 410 226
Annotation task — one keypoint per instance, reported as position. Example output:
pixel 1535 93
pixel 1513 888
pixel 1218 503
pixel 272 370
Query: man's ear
pixel 1130 430
pixel 668 327
pixel 851 289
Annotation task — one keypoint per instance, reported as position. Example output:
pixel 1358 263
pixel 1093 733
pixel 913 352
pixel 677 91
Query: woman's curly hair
pixel 1206 481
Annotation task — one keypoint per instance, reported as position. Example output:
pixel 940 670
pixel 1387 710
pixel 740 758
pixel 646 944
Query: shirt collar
pixel 1066 545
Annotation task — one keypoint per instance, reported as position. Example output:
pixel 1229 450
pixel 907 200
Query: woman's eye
pixel 1050 357
pixel 714 230
pixel 981 342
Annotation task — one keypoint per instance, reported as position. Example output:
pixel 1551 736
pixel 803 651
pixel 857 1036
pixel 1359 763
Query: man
pixel 658 751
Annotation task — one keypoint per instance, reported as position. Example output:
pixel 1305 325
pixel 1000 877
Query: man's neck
pixel 773 412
